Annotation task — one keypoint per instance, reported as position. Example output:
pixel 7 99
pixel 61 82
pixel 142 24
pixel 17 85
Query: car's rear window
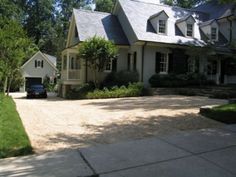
pixel 37 87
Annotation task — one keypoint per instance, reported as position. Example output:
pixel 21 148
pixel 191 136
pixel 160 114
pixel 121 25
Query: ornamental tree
pixel 97 53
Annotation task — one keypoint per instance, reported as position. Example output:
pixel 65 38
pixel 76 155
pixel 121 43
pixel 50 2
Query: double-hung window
pixel 38 63
pixel 162 26
pixel 190 30
pixel 163 63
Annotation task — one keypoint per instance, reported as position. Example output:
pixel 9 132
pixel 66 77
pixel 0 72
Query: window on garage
pixel 38 63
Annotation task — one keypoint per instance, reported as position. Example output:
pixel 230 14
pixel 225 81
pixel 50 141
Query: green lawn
pixel 13 138
pixel 225 113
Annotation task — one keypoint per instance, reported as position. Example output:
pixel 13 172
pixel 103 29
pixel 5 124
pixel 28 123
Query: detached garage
pixel 37 68
pixel 32 81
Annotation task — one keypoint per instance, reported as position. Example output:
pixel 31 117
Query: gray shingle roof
pixel 215 9
pixel 101 24
pixel 157 14
pixel 138 14
pixel 207 23
pixel 52 59
pixel 184 18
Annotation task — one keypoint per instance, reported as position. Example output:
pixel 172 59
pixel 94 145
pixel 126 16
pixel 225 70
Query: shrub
pixel 120 78
pixel 223 95
pixel 135 89
pixel 81 91
pixel 180 80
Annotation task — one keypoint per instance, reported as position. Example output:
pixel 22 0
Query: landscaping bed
pixel 219 92
pixel 87 91
pixel 225 113
pixel 13 138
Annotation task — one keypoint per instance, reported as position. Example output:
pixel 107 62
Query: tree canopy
pixel 98 53
pixel 104 5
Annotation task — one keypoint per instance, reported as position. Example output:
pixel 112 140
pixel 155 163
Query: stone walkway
pixel 205 152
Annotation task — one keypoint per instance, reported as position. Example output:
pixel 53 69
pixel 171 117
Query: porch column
pixel 218 74
pixel 202 64
pixel 68 62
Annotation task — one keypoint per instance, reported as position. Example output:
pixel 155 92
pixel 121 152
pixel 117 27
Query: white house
pixel 39 66
pixel 153 38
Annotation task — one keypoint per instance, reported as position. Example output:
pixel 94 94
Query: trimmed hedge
pixel 120 78
pixel 180 80
pixel 87 92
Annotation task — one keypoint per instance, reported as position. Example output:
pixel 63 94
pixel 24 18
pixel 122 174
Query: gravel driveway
pixel 55 123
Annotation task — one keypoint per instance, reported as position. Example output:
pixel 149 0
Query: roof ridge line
pixel 91 11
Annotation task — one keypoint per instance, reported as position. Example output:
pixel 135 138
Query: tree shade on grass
pixel 225 113
pixel 13 138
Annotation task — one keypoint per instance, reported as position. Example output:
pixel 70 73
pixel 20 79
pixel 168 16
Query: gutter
pixel 230 30
pixel 142 69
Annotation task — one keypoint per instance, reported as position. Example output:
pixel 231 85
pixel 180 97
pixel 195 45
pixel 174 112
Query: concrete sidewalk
pixel 208 153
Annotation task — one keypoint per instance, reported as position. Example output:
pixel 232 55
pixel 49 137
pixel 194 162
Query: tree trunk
pixel 5 85
pixel 9 85
pixel 95 77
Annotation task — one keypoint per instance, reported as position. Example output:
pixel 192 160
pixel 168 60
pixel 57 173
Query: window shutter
pixel 35 63
pixel 135 62
pixel 158 59
pixel 129 61
pixel 114 65
pixel 170 69
pixel 42 64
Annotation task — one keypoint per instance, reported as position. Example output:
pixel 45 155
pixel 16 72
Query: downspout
pixel 142 69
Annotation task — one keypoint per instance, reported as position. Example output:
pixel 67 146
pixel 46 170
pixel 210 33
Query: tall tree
pixel 105 5
pixel 39 23
pixel 13 46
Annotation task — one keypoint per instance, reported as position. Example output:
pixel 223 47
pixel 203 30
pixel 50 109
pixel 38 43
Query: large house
pixel 37 68
pixel 155 38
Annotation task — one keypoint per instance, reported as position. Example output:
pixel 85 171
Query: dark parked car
pixel 37 91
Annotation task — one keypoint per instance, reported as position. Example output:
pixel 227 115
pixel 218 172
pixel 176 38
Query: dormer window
pixel 162 26
pixel 186 25
pixel 189 30
pixel 213 33
pixel 210 29
pixel 159 22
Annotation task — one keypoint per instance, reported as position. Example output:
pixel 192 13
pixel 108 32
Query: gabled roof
pixel 50 59
pixel 157 14
pixel 206 23
pixel 105 25
pixel 138 14
pixel 185 18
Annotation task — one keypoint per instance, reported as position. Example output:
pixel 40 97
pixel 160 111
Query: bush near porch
pixel 87 91
pixel 225 113
pixel 13 138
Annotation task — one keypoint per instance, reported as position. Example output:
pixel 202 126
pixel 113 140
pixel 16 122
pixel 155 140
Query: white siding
pixel 150 61
pixel 29 69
